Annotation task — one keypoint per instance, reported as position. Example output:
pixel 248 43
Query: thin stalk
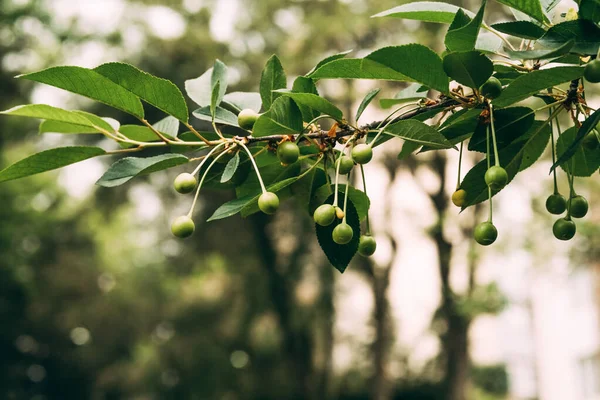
pixel 337 172
pixel 496 157
pixel 362 172
pixel 260 180
pixel 207 157
pixel 189 214
pixel 460 154
pixel 488 166
pixel 346 198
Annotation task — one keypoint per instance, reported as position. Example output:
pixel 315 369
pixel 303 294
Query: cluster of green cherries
pixel 288 153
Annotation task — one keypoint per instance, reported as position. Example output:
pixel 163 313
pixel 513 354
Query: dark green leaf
pixel 366 101
pixel 315 102
pixel 418 132
pixel 89 83
pixel 587 126
pixel 408 148
pixel 49 160
pixel 510 124
pixel 128 168
pixel 533 8
pixel 464 37
pixel 231 168
pixel 586 35
pixel 214 99
pixel 533 82
pixel 584 162
pixel 542 54
pixel 521 29
pixel 303 84
pixel 272 78
pixel 200 89
pixel 359 199
pixel 428 11
pixel 283 117
pixel 357 68
pixel 469 68
pixel 590 10
pixel 222 116
pixel 161 93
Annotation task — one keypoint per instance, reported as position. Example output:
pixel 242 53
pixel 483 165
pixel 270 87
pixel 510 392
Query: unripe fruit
pixel 564 229
pixel 496 177
pixel 246 118
pixel 556 204
pixel 339 213
pixel 342 234
pixel 578 207
pixel 185 183
pixel 485 233
pixel 459 197
pixel 367 245
pixel 346 164
pixel 362 153
pixel 590 141
pixel 324 215
pixel 268 202
pixel 288 153
pixel 182 227
pixel 492 88
pixel 592 71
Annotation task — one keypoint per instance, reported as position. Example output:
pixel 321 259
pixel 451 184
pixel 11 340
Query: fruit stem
pixel 346 198
pixel 206 157
pixel 189 214
pixel 495 32
pixel 195 132
pixel 460 154
pixel 260 180
pixel 496 157
pixel 337 171
pixel 488 167
pixel 389 117
pixel 362 172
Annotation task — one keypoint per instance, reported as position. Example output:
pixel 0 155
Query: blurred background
pixel 99 301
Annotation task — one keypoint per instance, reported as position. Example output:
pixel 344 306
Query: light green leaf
pixel 168 125
pixel 200 89
pixel 128 168
pixel 222 116
pixel 366 101
pixel 464 37
pixel 284 117
pixel 542 54
pixel 242 100
pixel 533 82
pixel 214 101
pixel 533 8
pixel 43 111
pixel 428 11
pixel 470 68
pixel 357 68
pixel 49 160
pixel 272 78
pixel 89 83
pixel 231 168
pixel 315 102
pixel 328 60
pixel 418 132
pixel 520 29
pixel 64 127
pixel 161 93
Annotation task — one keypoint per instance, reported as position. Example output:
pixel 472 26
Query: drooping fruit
pixel 185 183
pixel 268 202
pixel 556 204
pixel 246 118
pixel 288 153
pixel 362 153
pixel 324 215
pixel 346 164
pixel 342 234
pixel 496 177
pixel 564 229
pixel 578 206
pixel 339 213
pixel 485 233
pixel 182 226
pixel 367 245
pixel 459 197
pixel 592 71
pixel 492 88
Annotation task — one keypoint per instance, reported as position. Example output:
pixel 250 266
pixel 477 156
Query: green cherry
pixel 496 177
pixel 459 197
pixel 556 204
pixel 342 234
pixel 578 207
pixel 592 71
pixel 339 213
pixel 564 229
pixel 182 227
pixel 367 245
pixel 362 153
pixel 492 88
pixel 346 164
pixel 288 153
pixel 246 118
pixel 268 202
pixel 185 183
pixel 324 215
pixel 485 233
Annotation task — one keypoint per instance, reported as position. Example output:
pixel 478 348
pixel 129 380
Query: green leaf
pixel 161 93
pixel 590 10
pixel 272 78
pixel 141 134
pixel 222 116
pixel 89 83
pixel 231 168
pixel 315 102
pixel 463 38
pixel 521 29
pixel 284 117
pixel 533 82
pixel 510 124
pixel 340 255
pixel 43 111
pixel 533 8
pixel 48 160
pixel 214 100
pixel 128 168
pixel 242 100
pixel 469 68
pixel 489 43
pixel 534 150
pixel 408 148
pixel 584 162
pixel 65 127
pixel 200 89
pixel 303 84
pixel 410 93
pixel 585 33
pixel 542 54
pixel 328 60
pixel 168 125
pixel 428 11
pixel 418 132
pixel 587 126
pixel 366 101
pixel 409 60
pixel 357 68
